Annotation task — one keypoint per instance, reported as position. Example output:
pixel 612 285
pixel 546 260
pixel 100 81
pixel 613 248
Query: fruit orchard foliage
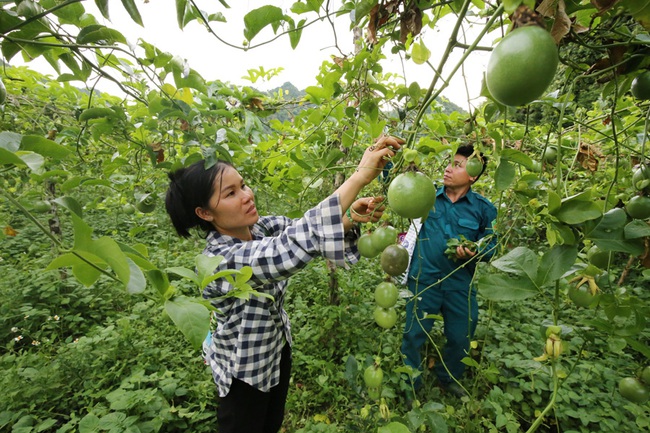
pixel 88 171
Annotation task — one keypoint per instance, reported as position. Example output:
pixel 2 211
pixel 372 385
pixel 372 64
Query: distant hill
pixel 291 92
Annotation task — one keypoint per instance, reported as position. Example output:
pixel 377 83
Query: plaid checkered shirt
pixel 250 334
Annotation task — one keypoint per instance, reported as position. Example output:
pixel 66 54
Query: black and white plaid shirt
pixel 250 334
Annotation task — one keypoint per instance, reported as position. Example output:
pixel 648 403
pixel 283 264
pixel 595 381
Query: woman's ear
pixel 204 214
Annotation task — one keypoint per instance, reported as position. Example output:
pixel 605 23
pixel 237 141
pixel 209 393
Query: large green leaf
pixel 257 19
pixel 504 175
pixel 10 141
pixel 578 211
pixel 84 266
pixel 555 263
pixel 517 156
pixel 7 157
pixel 109 251
pixel 191 317
pixel 521 261
pixel 499 287
pixel 45 147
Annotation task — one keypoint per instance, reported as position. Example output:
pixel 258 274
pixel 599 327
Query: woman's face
pixel 231 209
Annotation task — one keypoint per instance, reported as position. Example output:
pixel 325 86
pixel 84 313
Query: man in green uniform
pixel 441 285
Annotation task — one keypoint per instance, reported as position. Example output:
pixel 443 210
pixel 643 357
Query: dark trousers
pixel 459 310
pixel 249 410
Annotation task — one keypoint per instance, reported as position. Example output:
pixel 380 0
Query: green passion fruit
pixel 366 246
pixel 386 294
pixel 633 390
pixel 640 88
pixel 641 177
pixel 373 376
pixel 474 167
pixel 522 66
pixel 385 317
pixel 411 195
pixel 384 236
pixel 394 260
pixel 146 204
pixel 598 257
pixel 638 207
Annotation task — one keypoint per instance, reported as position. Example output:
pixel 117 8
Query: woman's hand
pixel 376 156
pixel 367 209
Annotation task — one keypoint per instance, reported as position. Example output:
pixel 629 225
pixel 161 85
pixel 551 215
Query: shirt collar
pixel 469 195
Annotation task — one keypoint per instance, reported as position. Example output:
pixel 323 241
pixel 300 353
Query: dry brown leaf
pixel 603 5
pixel 561 24
pixel 9 231
pixel 589 156
pixel 525 16
pixel 410 23
pixel 257 103
pixel 379 15
pixel 547 8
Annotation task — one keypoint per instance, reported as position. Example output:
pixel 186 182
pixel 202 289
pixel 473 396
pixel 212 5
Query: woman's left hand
pixel 367 209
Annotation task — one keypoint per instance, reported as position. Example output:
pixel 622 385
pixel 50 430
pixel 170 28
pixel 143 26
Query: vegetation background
pixel 101 319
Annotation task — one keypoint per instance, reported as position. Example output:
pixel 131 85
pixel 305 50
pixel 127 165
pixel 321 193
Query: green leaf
pixel 45 147
pixel 420 53
pixel 191 317
pixel 308 6
pixel 7 157
pixel 504 175
pixel 82 232
pixel 637 229
pixel 363 8
pixel 98 33
pixel 497 287
pixel 295 32
pixel 33 160
pixel 517 157
pixel 71 204
pixel 132 9
pixel 520 261
pixel 108 250
pixel 10 141
pixel 185 273
pixel 83 271
pixel 555 263
pixel 102 5
pixel 577 211
pixel 181 7
pixel 554 202
pixel 257 19
pixel 205 265
pixel 137 282
pixel 159 280
pixel 393 427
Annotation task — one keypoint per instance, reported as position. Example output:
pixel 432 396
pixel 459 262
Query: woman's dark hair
pixel 467 150
pixel 191 187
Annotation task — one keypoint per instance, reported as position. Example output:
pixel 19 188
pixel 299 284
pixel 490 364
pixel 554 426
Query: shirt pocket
pixel 468 228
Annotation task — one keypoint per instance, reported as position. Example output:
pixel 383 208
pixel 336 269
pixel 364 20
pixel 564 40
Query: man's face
pixel 455 174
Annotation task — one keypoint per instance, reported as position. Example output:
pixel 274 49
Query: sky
pixel 216 61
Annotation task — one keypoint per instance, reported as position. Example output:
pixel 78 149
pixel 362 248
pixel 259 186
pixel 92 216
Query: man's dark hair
pixel 467 150
pixel 191 187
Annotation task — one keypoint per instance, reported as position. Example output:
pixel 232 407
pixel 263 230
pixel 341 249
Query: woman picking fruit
pixel 250 349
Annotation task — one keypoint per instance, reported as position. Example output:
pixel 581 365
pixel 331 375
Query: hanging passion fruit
pixel 522 66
